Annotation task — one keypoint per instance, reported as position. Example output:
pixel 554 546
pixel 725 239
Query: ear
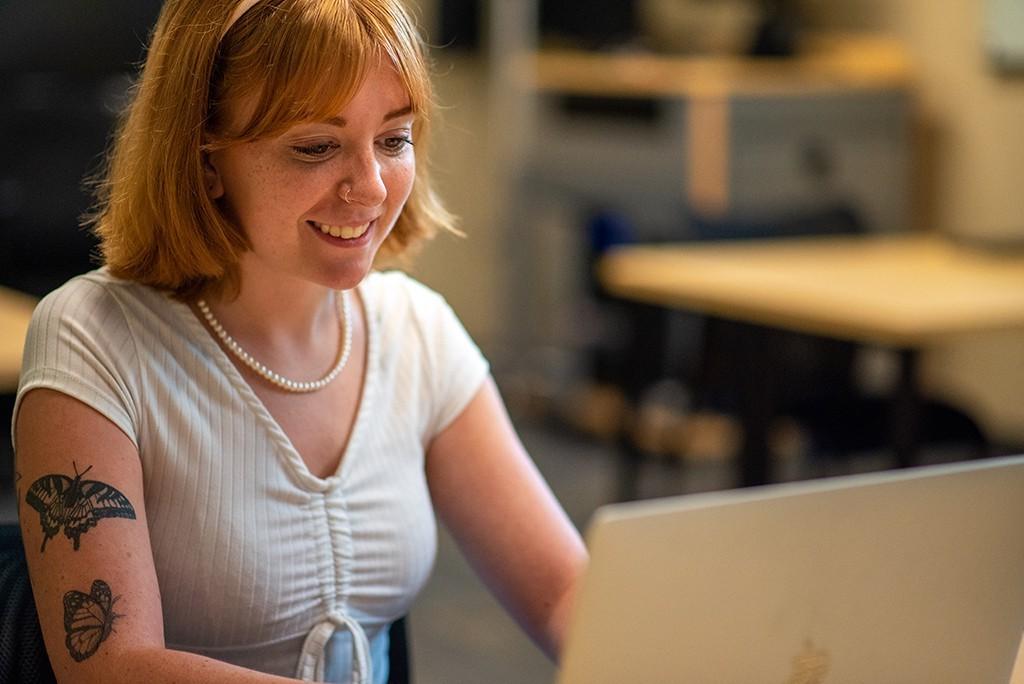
pixel 211 179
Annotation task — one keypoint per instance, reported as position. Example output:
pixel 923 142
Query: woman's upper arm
pixel 80 505
pixel 490 495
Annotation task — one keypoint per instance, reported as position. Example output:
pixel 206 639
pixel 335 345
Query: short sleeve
pixel 457 366
pixel 79 343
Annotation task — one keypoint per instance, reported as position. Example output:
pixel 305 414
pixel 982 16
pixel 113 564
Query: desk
pixel 15 314
pixel 905 292
pixel 668 140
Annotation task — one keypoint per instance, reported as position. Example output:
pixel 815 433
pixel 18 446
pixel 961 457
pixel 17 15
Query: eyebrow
pixel 397 113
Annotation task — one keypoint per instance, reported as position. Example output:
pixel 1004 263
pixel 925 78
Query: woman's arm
pixel 490 495
pixel 83 522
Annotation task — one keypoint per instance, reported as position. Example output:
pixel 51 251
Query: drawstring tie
pixel 313 659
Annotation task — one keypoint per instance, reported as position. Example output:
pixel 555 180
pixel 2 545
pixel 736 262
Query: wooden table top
pixel 828 63
pixel 15 314
pixel 904 291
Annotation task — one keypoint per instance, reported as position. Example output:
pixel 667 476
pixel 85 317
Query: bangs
pixel 303 60
pixel 282 62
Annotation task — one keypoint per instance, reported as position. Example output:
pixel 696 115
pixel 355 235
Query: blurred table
pixel 665 141
pixel 905 292
pixel 15 314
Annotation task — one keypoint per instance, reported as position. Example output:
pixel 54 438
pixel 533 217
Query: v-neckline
pixel 293 460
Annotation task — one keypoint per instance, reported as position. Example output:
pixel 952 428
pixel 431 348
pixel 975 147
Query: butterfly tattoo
pixel 88 619
pixel 74 504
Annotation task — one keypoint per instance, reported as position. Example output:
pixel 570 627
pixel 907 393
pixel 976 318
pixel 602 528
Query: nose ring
pixel 348 191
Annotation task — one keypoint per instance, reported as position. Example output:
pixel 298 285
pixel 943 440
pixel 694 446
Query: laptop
pixel 898 577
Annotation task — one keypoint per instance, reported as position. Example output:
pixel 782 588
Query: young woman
pixel 233 438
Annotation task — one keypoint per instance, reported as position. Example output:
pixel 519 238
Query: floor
pixel 459 634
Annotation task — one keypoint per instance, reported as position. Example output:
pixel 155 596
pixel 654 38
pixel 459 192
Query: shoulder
pixel 96 304
pixel 408 313
pixel 399 300
pixel 81 301
pixel 96 310
pixel 388 289
pixel 81 342
pixel 86 295
pixel 420 333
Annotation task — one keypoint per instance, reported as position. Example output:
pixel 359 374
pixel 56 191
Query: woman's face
pixel 318 201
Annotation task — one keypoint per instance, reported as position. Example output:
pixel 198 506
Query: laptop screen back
pixel 907 576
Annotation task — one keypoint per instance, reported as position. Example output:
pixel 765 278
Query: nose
pixel 363 181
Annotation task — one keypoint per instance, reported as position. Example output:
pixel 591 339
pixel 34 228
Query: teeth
pixel 347 232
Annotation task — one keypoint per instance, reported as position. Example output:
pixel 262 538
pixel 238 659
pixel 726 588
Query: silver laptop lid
pixel 906 576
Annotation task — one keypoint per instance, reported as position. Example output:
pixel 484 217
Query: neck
pixel 280 317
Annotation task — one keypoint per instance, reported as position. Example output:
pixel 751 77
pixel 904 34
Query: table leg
pixel 756 359
pixel 647 354
pixel 905 413
pixel 627 475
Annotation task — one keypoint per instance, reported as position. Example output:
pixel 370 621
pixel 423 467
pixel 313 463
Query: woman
pixel 232 438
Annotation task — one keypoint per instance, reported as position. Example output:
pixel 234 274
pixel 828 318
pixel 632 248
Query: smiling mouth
pixel 344 232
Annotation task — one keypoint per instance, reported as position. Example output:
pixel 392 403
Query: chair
pixel 23 656
pixel 399 660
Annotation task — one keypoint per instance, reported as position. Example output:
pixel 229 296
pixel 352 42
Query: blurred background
pixel 555 144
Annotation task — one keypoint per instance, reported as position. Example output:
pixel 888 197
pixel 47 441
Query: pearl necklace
pixel 276 378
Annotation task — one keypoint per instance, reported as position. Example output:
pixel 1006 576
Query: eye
pixel 396 144
pixel 317 150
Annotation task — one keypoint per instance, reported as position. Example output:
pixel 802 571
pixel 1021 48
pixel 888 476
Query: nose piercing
pixel 348 190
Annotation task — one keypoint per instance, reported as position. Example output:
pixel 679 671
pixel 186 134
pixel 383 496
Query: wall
pixel 973 115
pixel 464 269
pixel 971 128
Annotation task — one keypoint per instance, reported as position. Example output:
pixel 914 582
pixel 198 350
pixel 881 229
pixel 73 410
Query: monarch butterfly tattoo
pixel 74 504
pixel 88 619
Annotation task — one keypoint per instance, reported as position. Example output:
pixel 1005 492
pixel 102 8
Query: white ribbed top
pixel 254 553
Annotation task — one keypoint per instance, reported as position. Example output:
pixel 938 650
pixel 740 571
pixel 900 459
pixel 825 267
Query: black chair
pixel 23 656
pixel 399 660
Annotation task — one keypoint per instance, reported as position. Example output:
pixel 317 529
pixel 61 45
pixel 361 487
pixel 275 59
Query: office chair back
pixel 23 656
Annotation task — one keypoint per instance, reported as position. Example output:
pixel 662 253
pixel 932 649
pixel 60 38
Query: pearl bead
pixel 275 378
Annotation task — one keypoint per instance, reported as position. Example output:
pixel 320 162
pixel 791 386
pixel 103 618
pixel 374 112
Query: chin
pixel 345 277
